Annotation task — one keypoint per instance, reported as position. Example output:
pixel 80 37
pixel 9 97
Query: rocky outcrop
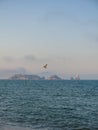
pixel 26 77
pixel 54 77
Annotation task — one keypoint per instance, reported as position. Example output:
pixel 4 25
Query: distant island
pixel 33 77
pixel 37 77
pixel 54 77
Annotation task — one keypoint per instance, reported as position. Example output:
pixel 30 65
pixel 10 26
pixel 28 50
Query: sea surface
pixel 48 105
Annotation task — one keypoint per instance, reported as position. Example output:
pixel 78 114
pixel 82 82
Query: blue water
pixel 48 105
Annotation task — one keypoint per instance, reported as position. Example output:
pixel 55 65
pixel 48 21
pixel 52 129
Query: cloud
pixel 29 58
pixel 26 58
pixel 93 37
pixel 8 59
pixel 52 14
pixel 6 73
pixel 49 16
pixel 62 16
pixel 57 14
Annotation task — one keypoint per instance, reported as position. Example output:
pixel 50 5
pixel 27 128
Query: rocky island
pixel 26 77
pixel 33 77
pixel 54 77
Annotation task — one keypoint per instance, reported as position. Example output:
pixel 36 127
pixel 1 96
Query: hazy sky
pixel 61 33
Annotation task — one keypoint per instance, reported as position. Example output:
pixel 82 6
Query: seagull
pixel 45 66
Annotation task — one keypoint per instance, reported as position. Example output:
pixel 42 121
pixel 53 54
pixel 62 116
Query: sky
pixel 61 33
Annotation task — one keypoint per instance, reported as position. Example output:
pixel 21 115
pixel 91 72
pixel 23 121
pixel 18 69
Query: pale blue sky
pixel 62 33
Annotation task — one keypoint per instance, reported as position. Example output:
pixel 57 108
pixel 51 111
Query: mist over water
pixel 48 105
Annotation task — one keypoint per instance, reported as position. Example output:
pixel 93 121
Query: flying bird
pixel 45 66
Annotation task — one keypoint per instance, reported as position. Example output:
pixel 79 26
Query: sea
pixel 48 105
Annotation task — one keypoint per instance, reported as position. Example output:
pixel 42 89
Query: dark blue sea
pixel 48 105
